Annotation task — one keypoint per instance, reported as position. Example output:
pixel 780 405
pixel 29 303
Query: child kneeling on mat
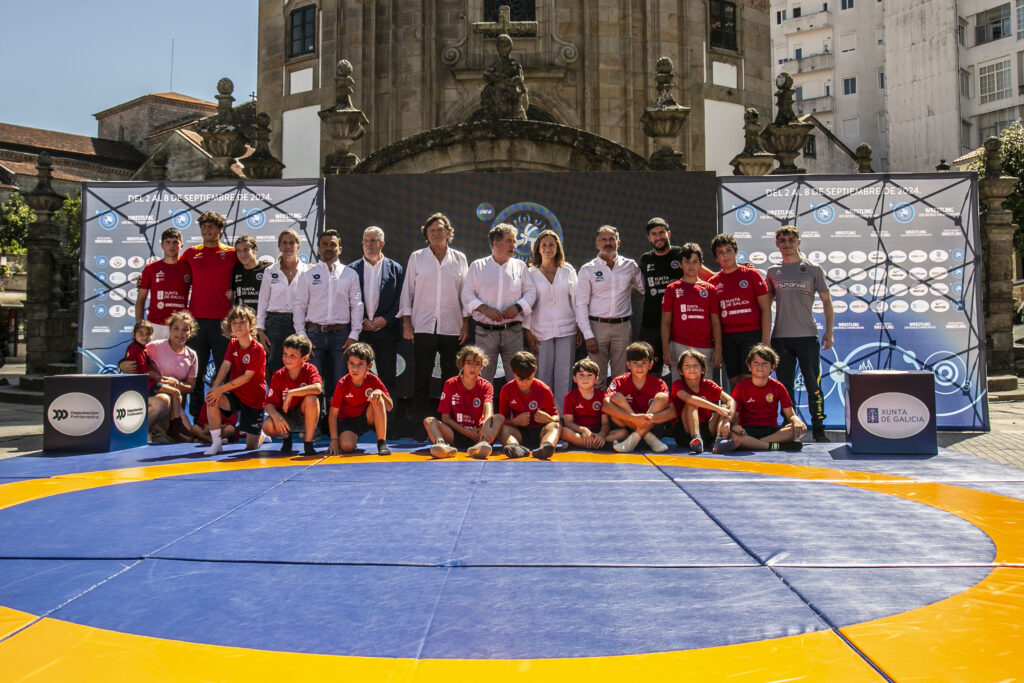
pixel 360 403
pixel 293 402
pixel 760 398
pixel 528 406
pixel 466 412
pixel 705 410
pixel 637 401
pixel 244 367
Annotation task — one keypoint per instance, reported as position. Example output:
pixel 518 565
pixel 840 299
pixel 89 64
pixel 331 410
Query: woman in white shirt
pixel 551 326
pixel 274 313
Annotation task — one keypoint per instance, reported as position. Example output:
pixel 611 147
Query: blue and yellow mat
pixel 162 564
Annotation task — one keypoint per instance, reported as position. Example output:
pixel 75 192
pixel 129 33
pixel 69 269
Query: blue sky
pixel 66 60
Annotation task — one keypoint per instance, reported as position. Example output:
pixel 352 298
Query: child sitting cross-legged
pixel 360 403
pixel 466 412
pixel 760 398
pixel 528 407
pixel 705 411
pixel 293 402
pixel 584 422
pixel 637 401
pixel 241 382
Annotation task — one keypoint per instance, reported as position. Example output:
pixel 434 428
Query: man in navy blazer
pixel 380 280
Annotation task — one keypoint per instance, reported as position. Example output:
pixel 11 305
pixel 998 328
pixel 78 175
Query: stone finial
pixel 664 120
pixel 863 158
pixel 158 167
pixel 942 166
pixel 993 163
pixel 262 163
pixel 42 199
pixel 222 136
pixel 753 160
pixel 784 94
pixel 786 137
pixel 343 122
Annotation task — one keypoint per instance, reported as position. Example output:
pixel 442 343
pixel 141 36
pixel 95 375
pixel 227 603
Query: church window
pixel 302 36
pixel 519 10
pixel 723 24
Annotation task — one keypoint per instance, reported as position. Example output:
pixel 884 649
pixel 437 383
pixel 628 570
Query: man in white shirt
pixel 431 308
pixel 497 293
pixel 380 280
pixel 327 302
pixel 604 310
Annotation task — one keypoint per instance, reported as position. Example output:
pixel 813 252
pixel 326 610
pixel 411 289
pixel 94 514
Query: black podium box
pixel 95 413
pixel 889 411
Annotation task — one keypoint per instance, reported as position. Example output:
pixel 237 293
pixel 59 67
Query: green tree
pixel 15 217
pixel 1012 156
pixel 69 219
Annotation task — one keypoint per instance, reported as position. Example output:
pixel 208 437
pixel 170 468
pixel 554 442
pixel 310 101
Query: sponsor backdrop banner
pixel 121 227
pixel 900 256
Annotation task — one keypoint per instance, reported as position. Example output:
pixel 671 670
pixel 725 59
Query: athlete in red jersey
pixel 293 402
pixel 362 402
pixel 528 406
pixel 760 399
pixel 584 422
pixel 638 401
pixel 467 420
pixel 241 383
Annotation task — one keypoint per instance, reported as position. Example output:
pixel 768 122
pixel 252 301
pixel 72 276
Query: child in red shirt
pixel 241 382
pixel 165 284
pixel 467 420
pixel 637 401
pixel 293 402
pixel 689 313
pixel 361 401
pixel 584 422
pixel 528 406
pixel 760 398
pixel 142 334
pixel 699 403
pixel 201 429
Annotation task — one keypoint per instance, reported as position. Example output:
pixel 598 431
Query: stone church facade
pixel 591 65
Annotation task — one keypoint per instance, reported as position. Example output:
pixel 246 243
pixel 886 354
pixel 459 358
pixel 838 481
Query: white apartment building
pixel 835 51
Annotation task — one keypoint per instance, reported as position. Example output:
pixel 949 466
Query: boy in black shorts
pixel 467 420
pixel 293 402
pixel 528 407
pixel 705 411
pixel 245 388
pixel 360 403
pixel 760 398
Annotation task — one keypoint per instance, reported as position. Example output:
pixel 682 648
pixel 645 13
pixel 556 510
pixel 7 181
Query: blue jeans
pixel 329 357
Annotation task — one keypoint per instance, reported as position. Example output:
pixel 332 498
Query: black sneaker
pixel 382 448
pixel 819 435
pixel 791 446
pixel 308 448
pixel 545 452
pixel 287 446
pixel 515 451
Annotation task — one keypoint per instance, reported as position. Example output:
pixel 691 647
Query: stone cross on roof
pixel 504 25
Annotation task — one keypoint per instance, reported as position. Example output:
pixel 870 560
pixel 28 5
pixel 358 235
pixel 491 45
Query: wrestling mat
pixel 161 564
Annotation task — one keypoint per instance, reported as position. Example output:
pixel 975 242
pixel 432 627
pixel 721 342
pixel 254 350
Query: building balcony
pixel 815 105
pixel 807 22
pixel 808 63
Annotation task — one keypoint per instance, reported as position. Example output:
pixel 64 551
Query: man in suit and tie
pixel 380 279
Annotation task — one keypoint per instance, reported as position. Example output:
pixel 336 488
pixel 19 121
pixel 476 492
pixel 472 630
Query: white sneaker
pixel 627 444
pixel 479 450
pixel 442 450
pixel 216 447
pixel 656 444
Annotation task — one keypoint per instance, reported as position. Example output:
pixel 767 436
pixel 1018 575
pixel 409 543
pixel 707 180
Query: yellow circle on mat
pixel 971 636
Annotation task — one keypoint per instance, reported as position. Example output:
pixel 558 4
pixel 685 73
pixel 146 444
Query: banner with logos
pixel 901 257
pixel 121 227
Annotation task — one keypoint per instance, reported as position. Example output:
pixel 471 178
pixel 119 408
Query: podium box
pixel 95 413
pixel 890 411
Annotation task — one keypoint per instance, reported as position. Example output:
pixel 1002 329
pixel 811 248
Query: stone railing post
pixel 343 122
pixel 664 120
pixel 997 229
pixel 44 330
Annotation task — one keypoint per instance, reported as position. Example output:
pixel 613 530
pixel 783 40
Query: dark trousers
pixel 385 352
pixel 209 343
pixel 329 358
pixel 425 346
pixel 806 352
pixel 279 326
pixel 652 335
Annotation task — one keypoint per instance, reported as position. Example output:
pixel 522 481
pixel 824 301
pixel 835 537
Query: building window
pixel 965 83
pixel 798 53
pixel 881 80
pixel 780 16
pixel 846 4
pixel 810 150
pixel 992 24
pixel 799 93
pixel 850 86
pixel 519 10
pixel 883 123
pixel 851 128
pixel 965 134
pixel 995 122
pixel 961 33
pixel 848 42
pixel 303 31
pixel 1020 19
pixel 994 81
pixel 796 12
pixel 723 24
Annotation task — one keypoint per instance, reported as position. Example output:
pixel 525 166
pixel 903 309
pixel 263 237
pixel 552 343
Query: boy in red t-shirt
pixel 467 420
pixel 361 401
pixel 760 398
pixel 705 411
pixel 241 382
pixel 637 400
pixel 689 313
pixel 584 422
pixel 744 304
pixel 168 281
pixel 528 406
pixel 293 402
